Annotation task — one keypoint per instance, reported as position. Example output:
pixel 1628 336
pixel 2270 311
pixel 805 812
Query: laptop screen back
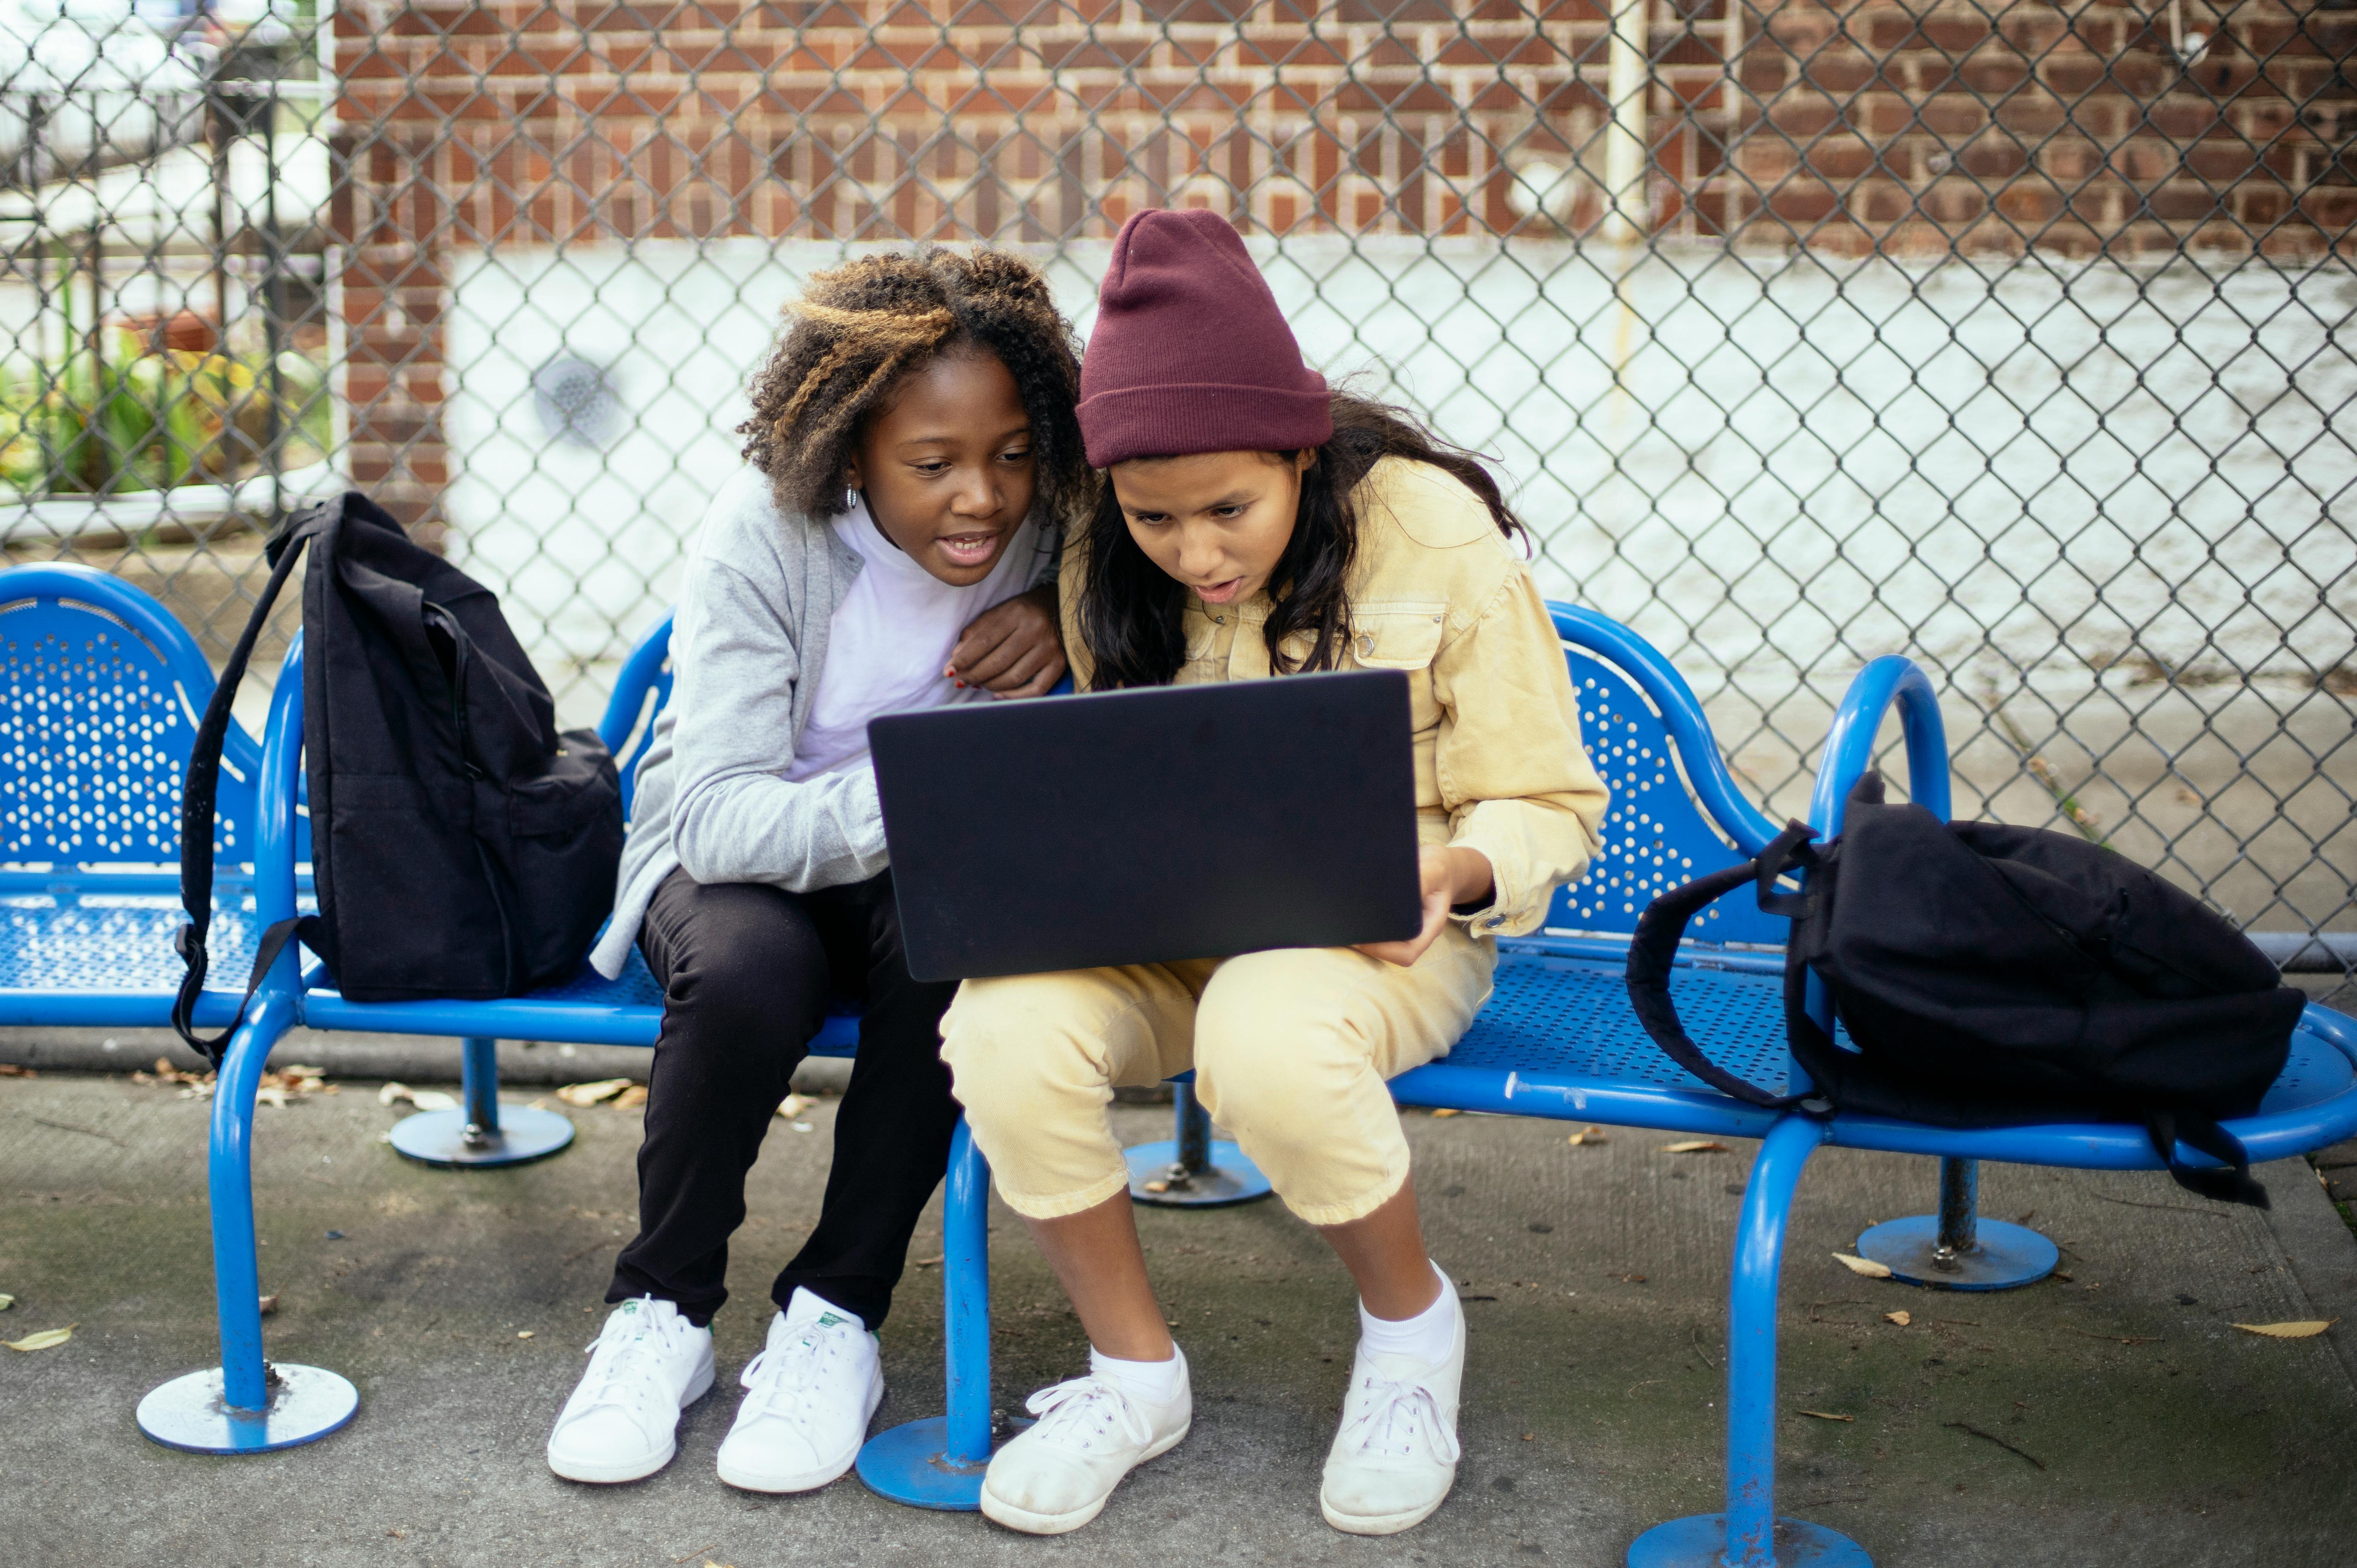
pixel 1147 826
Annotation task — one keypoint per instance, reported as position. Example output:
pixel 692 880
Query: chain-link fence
pixel 2011 337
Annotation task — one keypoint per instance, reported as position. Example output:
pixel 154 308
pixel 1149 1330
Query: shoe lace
pixel 1398 1415
pixel 783 1377
pixel 626 1379
pixel 1081 1412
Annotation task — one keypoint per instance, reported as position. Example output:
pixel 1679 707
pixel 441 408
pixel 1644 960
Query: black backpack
pixel 460 846
pixel 1994 976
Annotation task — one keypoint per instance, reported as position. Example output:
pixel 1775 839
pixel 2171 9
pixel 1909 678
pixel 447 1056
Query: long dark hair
pixel 1130 610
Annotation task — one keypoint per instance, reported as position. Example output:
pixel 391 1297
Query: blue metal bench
pixel 1557 1039
pixel 100 694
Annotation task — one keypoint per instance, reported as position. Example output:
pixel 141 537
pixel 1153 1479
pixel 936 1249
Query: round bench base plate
pixel 1700 1541
pixel 439 1137
pixel 305 1404
pixel 2006 1255
pixel 1229 1178
pixel 910 1463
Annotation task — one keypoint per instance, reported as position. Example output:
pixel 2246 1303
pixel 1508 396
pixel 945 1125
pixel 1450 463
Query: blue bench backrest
pixel 645 674
pixel 101 691
pixel 1654 749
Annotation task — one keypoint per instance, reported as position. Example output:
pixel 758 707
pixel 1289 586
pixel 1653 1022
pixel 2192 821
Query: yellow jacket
pixel 1438 592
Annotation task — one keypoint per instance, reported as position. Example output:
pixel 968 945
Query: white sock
pixel 1159 1382
pixel 1427 1338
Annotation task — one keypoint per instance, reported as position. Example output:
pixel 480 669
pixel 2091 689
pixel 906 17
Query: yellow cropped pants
pixel 1290 1048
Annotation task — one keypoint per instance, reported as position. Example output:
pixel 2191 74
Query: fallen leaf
pixel 1588 1136
pixel 1827 1415
pixel 588 1094
pixel 1696 1146
pixel 1445 1111
pixel 928 1262
pixel 422 1099
pixel 6 1301
pixel 1899 1318
pixel 2307 1330
pixel 272 1096
pixel 794 1105
pixel 1866 1266
pixel 800 1126
pixel 269 1303
pixel 524 1333
pixel 1530 1437
pixel 12 1069
pixel 1157 1187
pixel 45 1339
pixel 631 1098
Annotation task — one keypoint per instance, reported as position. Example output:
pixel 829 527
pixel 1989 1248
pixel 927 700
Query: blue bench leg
pixel 482 1132
pixel 1955 1248
pixel 1190 1171
pixel 245 1405
pixel 938 1463
pixel 1749 1535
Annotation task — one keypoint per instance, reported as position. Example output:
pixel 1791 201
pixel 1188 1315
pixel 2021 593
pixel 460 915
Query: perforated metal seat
pixel 1568 1018
pixel 100 694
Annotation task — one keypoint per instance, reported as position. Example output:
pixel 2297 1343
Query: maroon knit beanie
pixel 1189 352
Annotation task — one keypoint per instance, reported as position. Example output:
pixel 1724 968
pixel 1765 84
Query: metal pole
pixel 1194 1131
pixel 965 1330
pixel 273 309
pixel 1960 1192
pixel 479 1067
pixel 1751 1341
pixel 237 1281
pixel 217 123
pixel 1627 82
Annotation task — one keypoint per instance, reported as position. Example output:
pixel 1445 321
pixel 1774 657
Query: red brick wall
pixel 1850 128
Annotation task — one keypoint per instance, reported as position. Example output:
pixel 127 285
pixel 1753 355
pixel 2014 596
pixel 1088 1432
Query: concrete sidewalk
pixel 2112 1417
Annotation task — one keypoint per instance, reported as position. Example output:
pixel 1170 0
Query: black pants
pixel 746 971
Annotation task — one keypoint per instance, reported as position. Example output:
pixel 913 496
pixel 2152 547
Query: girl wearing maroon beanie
pixel 1258 524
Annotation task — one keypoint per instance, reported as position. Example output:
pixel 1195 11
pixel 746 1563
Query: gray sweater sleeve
pixel 735 816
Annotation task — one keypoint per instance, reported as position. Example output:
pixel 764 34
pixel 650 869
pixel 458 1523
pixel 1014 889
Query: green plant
pixel 139 421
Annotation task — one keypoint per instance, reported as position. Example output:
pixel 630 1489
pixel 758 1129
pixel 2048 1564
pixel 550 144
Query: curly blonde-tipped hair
pixel 858 328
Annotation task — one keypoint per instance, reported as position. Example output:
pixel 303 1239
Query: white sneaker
pixel 810 1395
pixel 1395 1457
pixel 646 1366
pixel 1057 1475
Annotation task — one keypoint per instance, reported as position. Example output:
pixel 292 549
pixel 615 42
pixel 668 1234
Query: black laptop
pixel 1149 826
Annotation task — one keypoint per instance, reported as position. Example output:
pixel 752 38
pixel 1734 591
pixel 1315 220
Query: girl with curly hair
pixel 1256 522
pixel 912 454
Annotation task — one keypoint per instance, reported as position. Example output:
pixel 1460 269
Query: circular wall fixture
pixel 576 401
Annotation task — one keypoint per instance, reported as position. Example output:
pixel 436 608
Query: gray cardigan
pixel 747 647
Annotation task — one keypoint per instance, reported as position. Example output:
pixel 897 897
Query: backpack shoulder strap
pixel 203 785
pixel 1653 950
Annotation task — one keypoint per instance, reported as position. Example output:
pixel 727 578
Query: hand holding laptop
pixel 1451 877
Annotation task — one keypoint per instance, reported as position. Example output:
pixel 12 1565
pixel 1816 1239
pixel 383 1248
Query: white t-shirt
pixel 889 639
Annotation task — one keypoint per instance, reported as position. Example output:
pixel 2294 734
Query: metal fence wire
pixel 2011 337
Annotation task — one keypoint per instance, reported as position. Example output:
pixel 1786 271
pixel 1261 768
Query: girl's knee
pixel 1264 1063
pixel 1012 1045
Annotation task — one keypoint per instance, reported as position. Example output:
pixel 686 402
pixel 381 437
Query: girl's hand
pixel 1015 650
pixel 1450 876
